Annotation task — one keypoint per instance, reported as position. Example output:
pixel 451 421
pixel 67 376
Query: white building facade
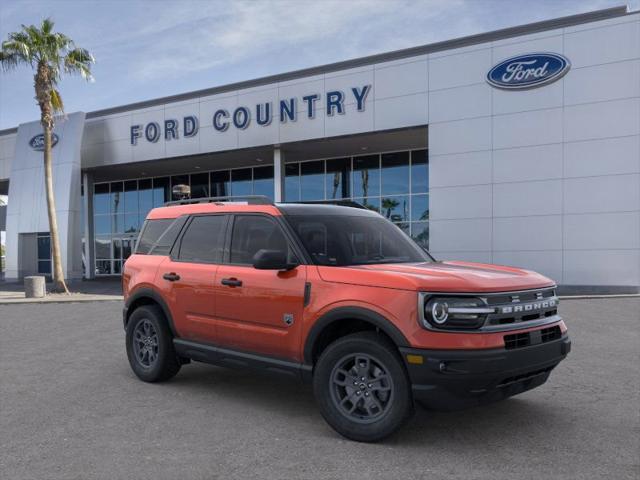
pixel 517 147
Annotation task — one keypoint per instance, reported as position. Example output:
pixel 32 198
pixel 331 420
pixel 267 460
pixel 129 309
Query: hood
pixel 437 277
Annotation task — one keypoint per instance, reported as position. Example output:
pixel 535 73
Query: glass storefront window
pixel 396 208
pixel 395 173
pixel 419 171
pixel 145 195
pixel 101 198
pixel 337 179
pixel 393 184
pixel 292 182
pixel 420 233
pixel 131 196
pixel 199 185
pixel 312 180
pixel 366 176
pixel 419 207
pixel 220 183
pixel 161 191
pixel 241 182
pixel 263 181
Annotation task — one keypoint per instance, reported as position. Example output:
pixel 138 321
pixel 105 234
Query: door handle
pixel 231 282
pixel 172 277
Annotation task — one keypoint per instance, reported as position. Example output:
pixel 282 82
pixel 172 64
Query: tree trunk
pixel 59 284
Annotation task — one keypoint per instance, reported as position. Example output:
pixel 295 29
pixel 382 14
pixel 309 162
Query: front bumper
pixel 453 379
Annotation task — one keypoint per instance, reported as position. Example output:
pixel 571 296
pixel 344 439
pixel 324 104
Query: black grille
pixel 520 340
pixel 517 299
pixel 524 377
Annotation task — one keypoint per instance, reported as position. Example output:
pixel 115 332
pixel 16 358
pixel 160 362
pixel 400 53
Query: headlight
pixel 455 312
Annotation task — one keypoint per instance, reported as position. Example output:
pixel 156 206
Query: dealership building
pixel 519 147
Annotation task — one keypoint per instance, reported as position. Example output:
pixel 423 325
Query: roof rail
pixel 250 199
pixel 341 203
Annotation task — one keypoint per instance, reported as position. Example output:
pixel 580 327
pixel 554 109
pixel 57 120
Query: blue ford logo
pixel 528 71
pixel 37 142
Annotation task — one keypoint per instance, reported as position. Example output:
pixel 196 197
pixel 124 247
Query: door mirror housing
pixel 272 260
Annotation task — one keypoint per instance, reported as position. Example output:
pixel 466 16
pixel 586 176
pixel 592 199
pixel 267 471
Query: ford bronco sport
pixel 337 296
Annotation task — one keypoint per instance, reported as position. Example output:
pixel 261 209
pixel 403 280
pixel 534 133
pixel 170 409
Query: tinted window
pixel 355 240
pixel 151 233
pixel 203 240
pixel 167 239
pixel 252 233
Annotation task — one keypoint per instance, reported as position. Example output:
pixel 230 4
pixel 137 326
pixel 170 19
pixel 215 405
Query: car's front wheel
pixel 362 388
pixel 150 345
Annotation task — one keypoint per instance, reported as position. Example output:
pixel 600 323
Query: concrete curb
pixel 63 299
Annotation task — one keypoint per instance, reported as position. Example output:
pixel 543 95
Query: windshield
pixel 355 240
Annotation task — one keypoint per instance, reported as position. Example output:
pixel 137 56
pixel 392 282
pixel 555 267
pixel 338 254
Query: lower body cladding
pixel 454 379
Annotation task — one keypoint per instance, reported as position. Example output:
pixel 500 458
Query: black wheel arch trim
pixel 152 295
pixel 351 313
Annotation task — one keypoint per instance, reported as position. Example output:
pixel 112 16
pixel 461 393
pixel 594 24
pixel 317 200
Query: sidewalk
pixel 104 289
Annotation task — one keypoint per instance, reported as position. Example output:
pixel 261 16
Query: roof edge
pixel 469 40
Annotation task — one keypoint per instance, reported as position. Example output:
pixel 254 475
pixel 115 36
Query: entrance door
pixel 259 310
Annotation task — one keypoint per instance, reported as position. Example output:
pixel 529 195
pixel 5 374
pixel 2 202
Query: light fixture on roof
pixel 197 167
pixel 364 148
pixel 259 160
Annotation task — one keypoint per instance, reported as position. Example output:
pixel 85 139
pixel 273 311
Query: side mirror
pixel 272 260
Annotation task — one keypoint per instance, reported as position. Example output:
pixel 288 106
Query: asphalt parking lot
pixel 70 408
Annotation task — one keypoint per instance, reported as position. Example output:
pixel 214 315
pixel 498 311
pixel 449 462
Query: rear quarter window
pixel 158 236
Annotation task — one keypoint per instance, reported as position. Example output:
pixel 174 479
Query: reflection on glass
pixel 102 224
pixel 337 178
pixel 161 191
pixel 117 223
pixel 395 173
pixel 145 195
pixel 103 247
pixel 312 180
pixel 419 171
pixel 103 267
pixel 396 209
pixel 241 182
pixel 292 182
pixel 117 247
pixel 117 198
pixel 263 181
pixel 370 203
pixel 420 207
pixel 220 184
pixel 131 224
pixel 117 267
pixel 199 185
pixel 131 196
pixel 420 233
pixel 366 176
pixel 404 227
pixel 101 198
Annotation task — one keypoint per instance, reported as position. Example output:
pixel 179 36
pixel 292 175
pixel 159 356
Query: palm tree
pixel 50 54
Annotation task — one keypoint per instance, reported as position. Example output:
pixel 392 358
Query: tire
pixel 150 345
pixel 384 402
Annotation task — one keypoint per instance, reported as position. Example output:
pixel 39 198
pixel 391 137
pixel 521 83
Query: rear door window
pixel 203 240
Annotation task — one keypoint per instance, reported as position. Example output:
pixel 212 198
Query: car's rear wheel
pixel 362 388
pixel 150 345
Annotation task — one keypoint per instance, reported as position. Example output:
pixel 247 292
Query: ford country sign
pixel 528 71
pixel 37 142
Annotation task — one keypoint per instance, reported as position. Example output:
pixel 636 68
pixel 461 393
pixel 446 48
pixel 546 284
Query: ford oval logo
pixel 528 71
pixel 37 142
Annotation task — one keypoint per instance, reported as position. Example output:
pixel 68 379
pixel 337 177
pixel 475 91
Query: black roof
pixel 308 209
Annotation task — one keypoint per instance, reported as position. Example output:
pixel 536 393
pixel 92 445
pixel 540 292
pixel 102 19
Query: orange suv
pixel 335 295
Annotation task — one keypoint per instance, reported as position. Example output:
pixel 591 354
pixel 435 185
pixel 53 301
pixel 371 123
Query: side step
pixel 224 357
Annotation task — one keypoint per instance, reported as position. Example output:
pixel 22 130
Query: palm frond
pixel 79 61
pixel 56 101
